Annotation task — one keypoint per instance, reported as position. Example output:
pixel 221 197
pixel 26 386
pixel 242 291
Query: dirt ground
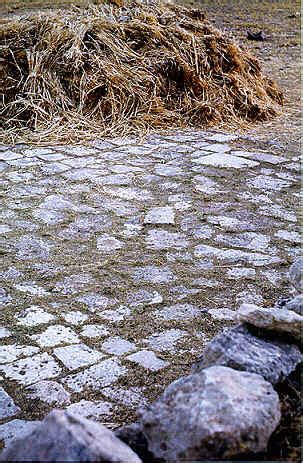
pixel 280 52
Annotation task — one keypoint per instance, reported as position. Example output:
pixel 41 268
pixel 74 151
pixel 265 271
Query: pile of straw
pixel 110 70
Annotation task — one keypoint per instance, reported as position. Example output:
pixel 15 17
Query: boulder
pixel 295 304
pixel 296 274
pixel 238 348
pixel 281 321
pixel 63 436
pixel 218 413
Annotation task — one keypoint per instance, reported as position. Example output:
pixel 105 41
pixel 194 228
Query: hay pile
pixel 108 70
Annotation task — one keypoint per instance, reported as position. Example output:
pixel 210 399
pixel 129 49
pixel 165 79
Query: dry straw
pixel 85 73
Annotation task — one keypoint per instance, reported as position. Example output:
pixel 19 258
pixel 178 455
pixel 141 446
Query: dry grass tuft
pixel 110 70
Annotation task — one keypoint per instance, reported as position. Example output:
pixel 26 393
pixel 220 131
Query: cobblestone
pixel 122 258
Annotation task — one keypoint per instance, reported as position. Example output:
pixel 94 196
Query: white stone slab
pixel 11 352
pixel 49 392
pixel 91 410
pixel 118 346
pixel 103 374
pixel 160 215
pixel 225 160
pixel 7 405
pixel 33 316
pixel 77 355
pixel 56 335
pixel 31 369
pixel 147 359
pixel 75 318
pixel 94 331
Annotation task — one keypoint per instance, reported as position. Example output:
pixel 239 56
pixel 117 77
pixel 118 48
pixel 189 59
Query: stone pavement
pixel 120 260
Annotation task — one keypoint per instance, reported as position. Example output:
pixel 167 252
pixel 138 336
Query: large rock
pixel 295 304
pixel 63 436
pixel 238 348
pixel 296 274
pixel 281 321
pixel 218 413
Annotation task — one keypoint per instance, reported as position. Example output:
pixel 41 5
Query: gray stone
pixel 77 355
pixel 33 316
pixel 94 331
pixel 166 340
pixel 162 239
pixel 11 352
pixel 49 392
pixel 75 317
pixel 107 243
pixel 63 436
pixel 160 215
pixel 295 304
pixel 296 274
pixel 147 359
pixel 216 414
pixel 281 321
pixel 156 275
pixel 131 397
pixel 239 349
pixel 90 409
pixel 97 376
pixel 16 429
pixel 55 335
pixel 118 346
pixel 31 369
pixel 7 405
pixel 178 312
pixel 225 160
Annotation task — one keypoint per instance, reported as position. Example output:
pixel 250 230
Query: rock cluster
pixel 226 408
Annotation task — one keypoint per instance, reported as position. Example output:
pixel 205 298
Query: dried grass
pixel 108 70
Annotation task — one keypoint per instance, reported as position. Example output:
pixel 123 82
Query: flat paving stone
pixel 50 392
pixel 97 376
pixel 165 341
pixel 147 359
pixel 31 369
pixel 91 410
pixel 154 275
pixel 94 331
pixel 132 397
pixel 11 352
pixel 117 346
pixel 56 335
pixel 178 312
pixel 33 316
pixel 160 215
pixel 77 355
pixel 7 405
pixel 226 160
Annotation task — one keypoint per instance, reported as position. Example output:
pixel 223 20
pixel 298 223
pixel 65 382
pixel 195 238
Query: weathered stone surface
pixel 63 436
pixel 218 413
pixel 296 274
pixel 7 405
pixel 160 215
pixel 295 304
pixel 239 349
pixel 49 392
pixel 280 320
